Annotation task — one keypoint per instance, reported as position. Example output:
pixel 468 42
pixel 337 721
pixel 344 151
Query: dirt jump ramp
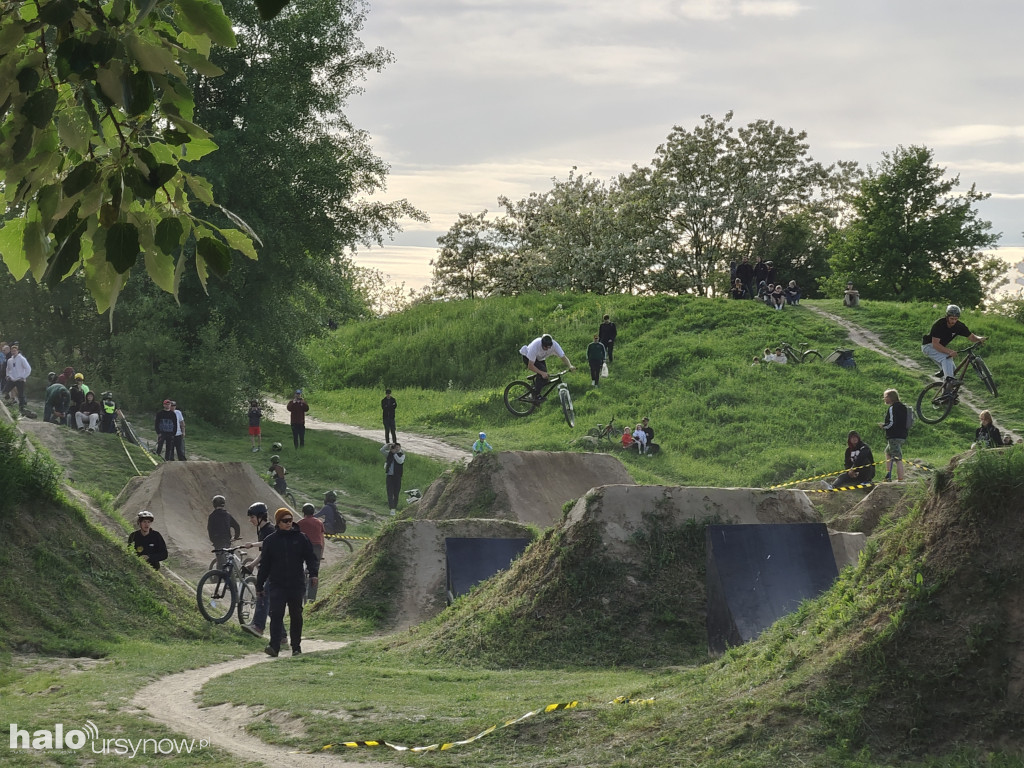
pixel 180 493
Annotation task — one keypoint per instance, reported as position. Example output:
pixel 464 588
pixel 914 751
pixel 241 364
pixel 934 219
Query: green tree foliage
pixel 468 253
pixel 97 125
pixel 912 237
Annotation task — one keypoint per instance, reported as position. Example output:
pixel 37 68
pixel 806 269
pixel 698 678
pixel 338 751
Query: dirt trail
pixel 865 338
pixel 172 701
pixel 418 444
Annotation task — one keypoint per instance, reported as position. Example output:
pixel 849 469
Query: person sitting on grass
pixel 859 463
pixel 627 438
pixel 987 435
pixel 640 439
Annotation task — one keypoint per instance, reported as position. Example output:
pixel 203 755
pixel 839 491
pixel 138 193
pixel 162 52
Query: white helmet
pixel 952 311
pixel 145 515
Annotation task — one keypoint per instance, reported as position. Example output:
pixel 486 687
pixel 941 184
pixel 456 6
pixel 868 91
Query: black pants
pixel 394 486
pixel 166 439
pixel 290 598
pixel 609 346
pixel 538 381
pixel 179 446
pixel 389 429
pixel 595 371
pixel 299 435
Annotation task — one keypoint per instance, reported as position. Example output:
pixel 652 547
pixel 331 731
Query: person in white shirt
pixel 18 370
pixel 534 355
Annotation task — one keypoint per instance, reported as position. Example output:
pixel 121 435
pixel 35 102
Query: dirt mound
pixel 525 486
pixel 179 494
pixel 885 499
pixel 406 563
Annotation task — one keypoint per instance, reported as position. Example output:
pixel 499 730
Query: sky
pixel 488 98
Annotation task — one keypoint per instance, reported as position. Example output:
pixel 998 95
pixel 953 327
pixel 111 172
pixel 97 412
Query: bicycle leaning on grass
pixel 607 431
pixel 799 357
pixel 936 400
pixel 227 589
pixel 520 399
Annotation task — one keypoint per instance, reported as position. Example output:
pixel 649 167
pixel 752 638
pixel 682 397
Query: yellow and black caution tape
pixel 819 477
pixel 441 746
pixel 841 488
pixel 917 464
pixel 350 538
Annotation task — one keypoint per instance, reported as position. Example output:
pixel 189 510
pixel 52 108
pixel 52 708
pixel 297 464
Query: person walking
pixel 147 543
pixel 895 426
pixel 18 371
pixel 394 462
pixel 313 528
pixel 596 354
pixel 606 333
pixel 255 432
pixel 281 567
pixel 387 407
pixel 298 407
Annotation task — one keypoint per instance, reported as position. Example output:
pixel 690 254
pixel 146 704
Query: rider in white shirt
pixel 536 352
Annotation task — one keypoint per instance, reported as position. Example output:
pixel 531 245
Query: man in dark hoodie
pixel 220 525
pixel 284 553
pixel 166 425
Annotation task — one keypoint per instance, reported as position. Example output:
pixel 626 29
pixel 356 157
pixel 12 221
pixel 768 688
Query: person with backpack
pixel 898 420
pixel 332 519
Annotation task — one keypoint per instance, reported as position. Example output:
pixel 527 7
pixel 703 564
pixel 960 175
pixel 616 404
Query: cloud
pixel 961 135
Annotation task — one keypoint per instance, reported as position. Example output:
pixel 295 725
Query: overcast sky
pixel 489 98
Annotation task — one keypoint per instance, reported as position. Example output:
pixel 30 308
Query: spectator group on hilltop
pixel 760 281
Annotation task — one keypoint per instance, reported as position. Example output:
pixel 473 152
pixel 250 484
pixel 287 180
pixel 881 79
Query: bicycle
pixel 934 403
pixel 226 590
pixel 520 400
pixel 286 494
pixel 607 431
pixel 802 355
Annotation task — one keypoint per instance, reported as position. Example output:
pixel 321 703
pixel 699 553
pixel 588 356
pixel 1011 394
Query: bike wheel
pixel 566 400
pixel 290 498
pixel 216 596
pixel 518 398
pixel 247 600
pixel 932 406
pixel 986 376
pixel 810 354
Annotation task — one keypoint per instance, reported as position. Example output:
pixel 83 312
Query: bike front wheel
pixel 216 596
pixel 567 410
pixel 986 376
pixel 519 398
pixel 932 405
pixel 810 354
pixel 247 600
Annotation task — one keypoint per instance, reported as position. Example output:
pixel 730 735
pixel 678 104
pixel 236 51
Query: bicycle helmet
pixel 331 496
pixel 145 515
pixel 258 510
pixel 276 447
pixel 546 341
pixel 51 377
pixel 952 311
pixel 107 395
pixel 275 459
pixel 219 501
pixel 483 435
pixel 79 377
pixel 308 509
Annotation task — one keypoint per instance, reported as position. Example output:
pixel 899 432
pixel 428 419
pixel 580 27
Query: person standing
pixel 536 353
pixel 745 273
pixel 387 407
pixel 219 527
pixel 147 543
pixel 596 354
pixel 255 415
pixel 895 426
pixel 179 432
pixel 257 514
pixel 298 407
pixel 108 421
pixel 760 272
pixel 314 530
pixel 166 425
pixel 859 463
pixel 284 553
pixel 394 461
pixel 18 371
pixel 943 331
pixel 606 333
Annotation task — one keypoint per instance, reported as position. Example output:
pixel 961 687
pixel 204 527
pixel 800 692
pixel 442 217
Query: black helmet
pixel 331 496
pixel 275 459
pixel 308 509
pixel 952 311
pixel 258 510
pixel 219 501
pixel 546 341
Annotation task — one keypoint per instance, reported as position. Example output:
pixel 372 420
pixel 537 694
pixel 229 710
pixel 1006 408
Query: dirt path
pixel 865 338
pixel 172 701
pixel 418 444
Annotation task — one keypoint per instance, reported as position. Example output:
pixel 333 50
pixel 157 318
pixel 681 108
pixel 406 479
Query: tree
pixel 912 238
pixel 468 251
pixel 97 125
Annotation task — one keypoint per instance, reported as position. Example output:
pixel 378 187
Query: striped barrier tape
pixel 819 477
pixel 441 746
pixel 350 538
pixel 841 488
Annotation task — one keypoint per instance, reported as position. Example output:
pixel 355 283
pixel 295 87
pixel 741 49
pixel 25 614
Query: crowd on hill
pixel 760 281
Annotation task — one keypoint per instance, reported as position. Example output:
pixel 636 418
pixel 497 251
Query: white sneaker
pixel 393 511
pixel 827 486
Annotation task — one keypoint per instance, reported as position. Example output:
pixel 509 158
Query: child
pixel 255 437
pixel 640 438
pixel 278 472
pixel 481 445
pixel 627 438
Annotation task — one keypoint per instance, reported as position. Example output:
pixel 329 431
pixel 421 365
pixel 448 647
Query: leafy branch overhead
pixel 96 135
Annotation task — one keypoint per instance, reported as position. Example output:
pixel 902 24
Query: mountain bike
pixel 286 494
pixel 226 590
pixel 607 431
pixel 935 402
pixel 520 400
pixel 801 356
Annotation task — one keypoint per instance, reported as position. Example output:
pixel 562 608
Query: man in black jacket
pixel 606 333
pixel 859 463
pixel 284 553
pixel 895 426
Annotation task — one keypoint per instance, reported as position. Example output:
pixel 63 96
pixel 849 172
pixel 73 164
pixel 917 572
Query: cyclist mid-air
pixel 535 353
pixel 934 343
